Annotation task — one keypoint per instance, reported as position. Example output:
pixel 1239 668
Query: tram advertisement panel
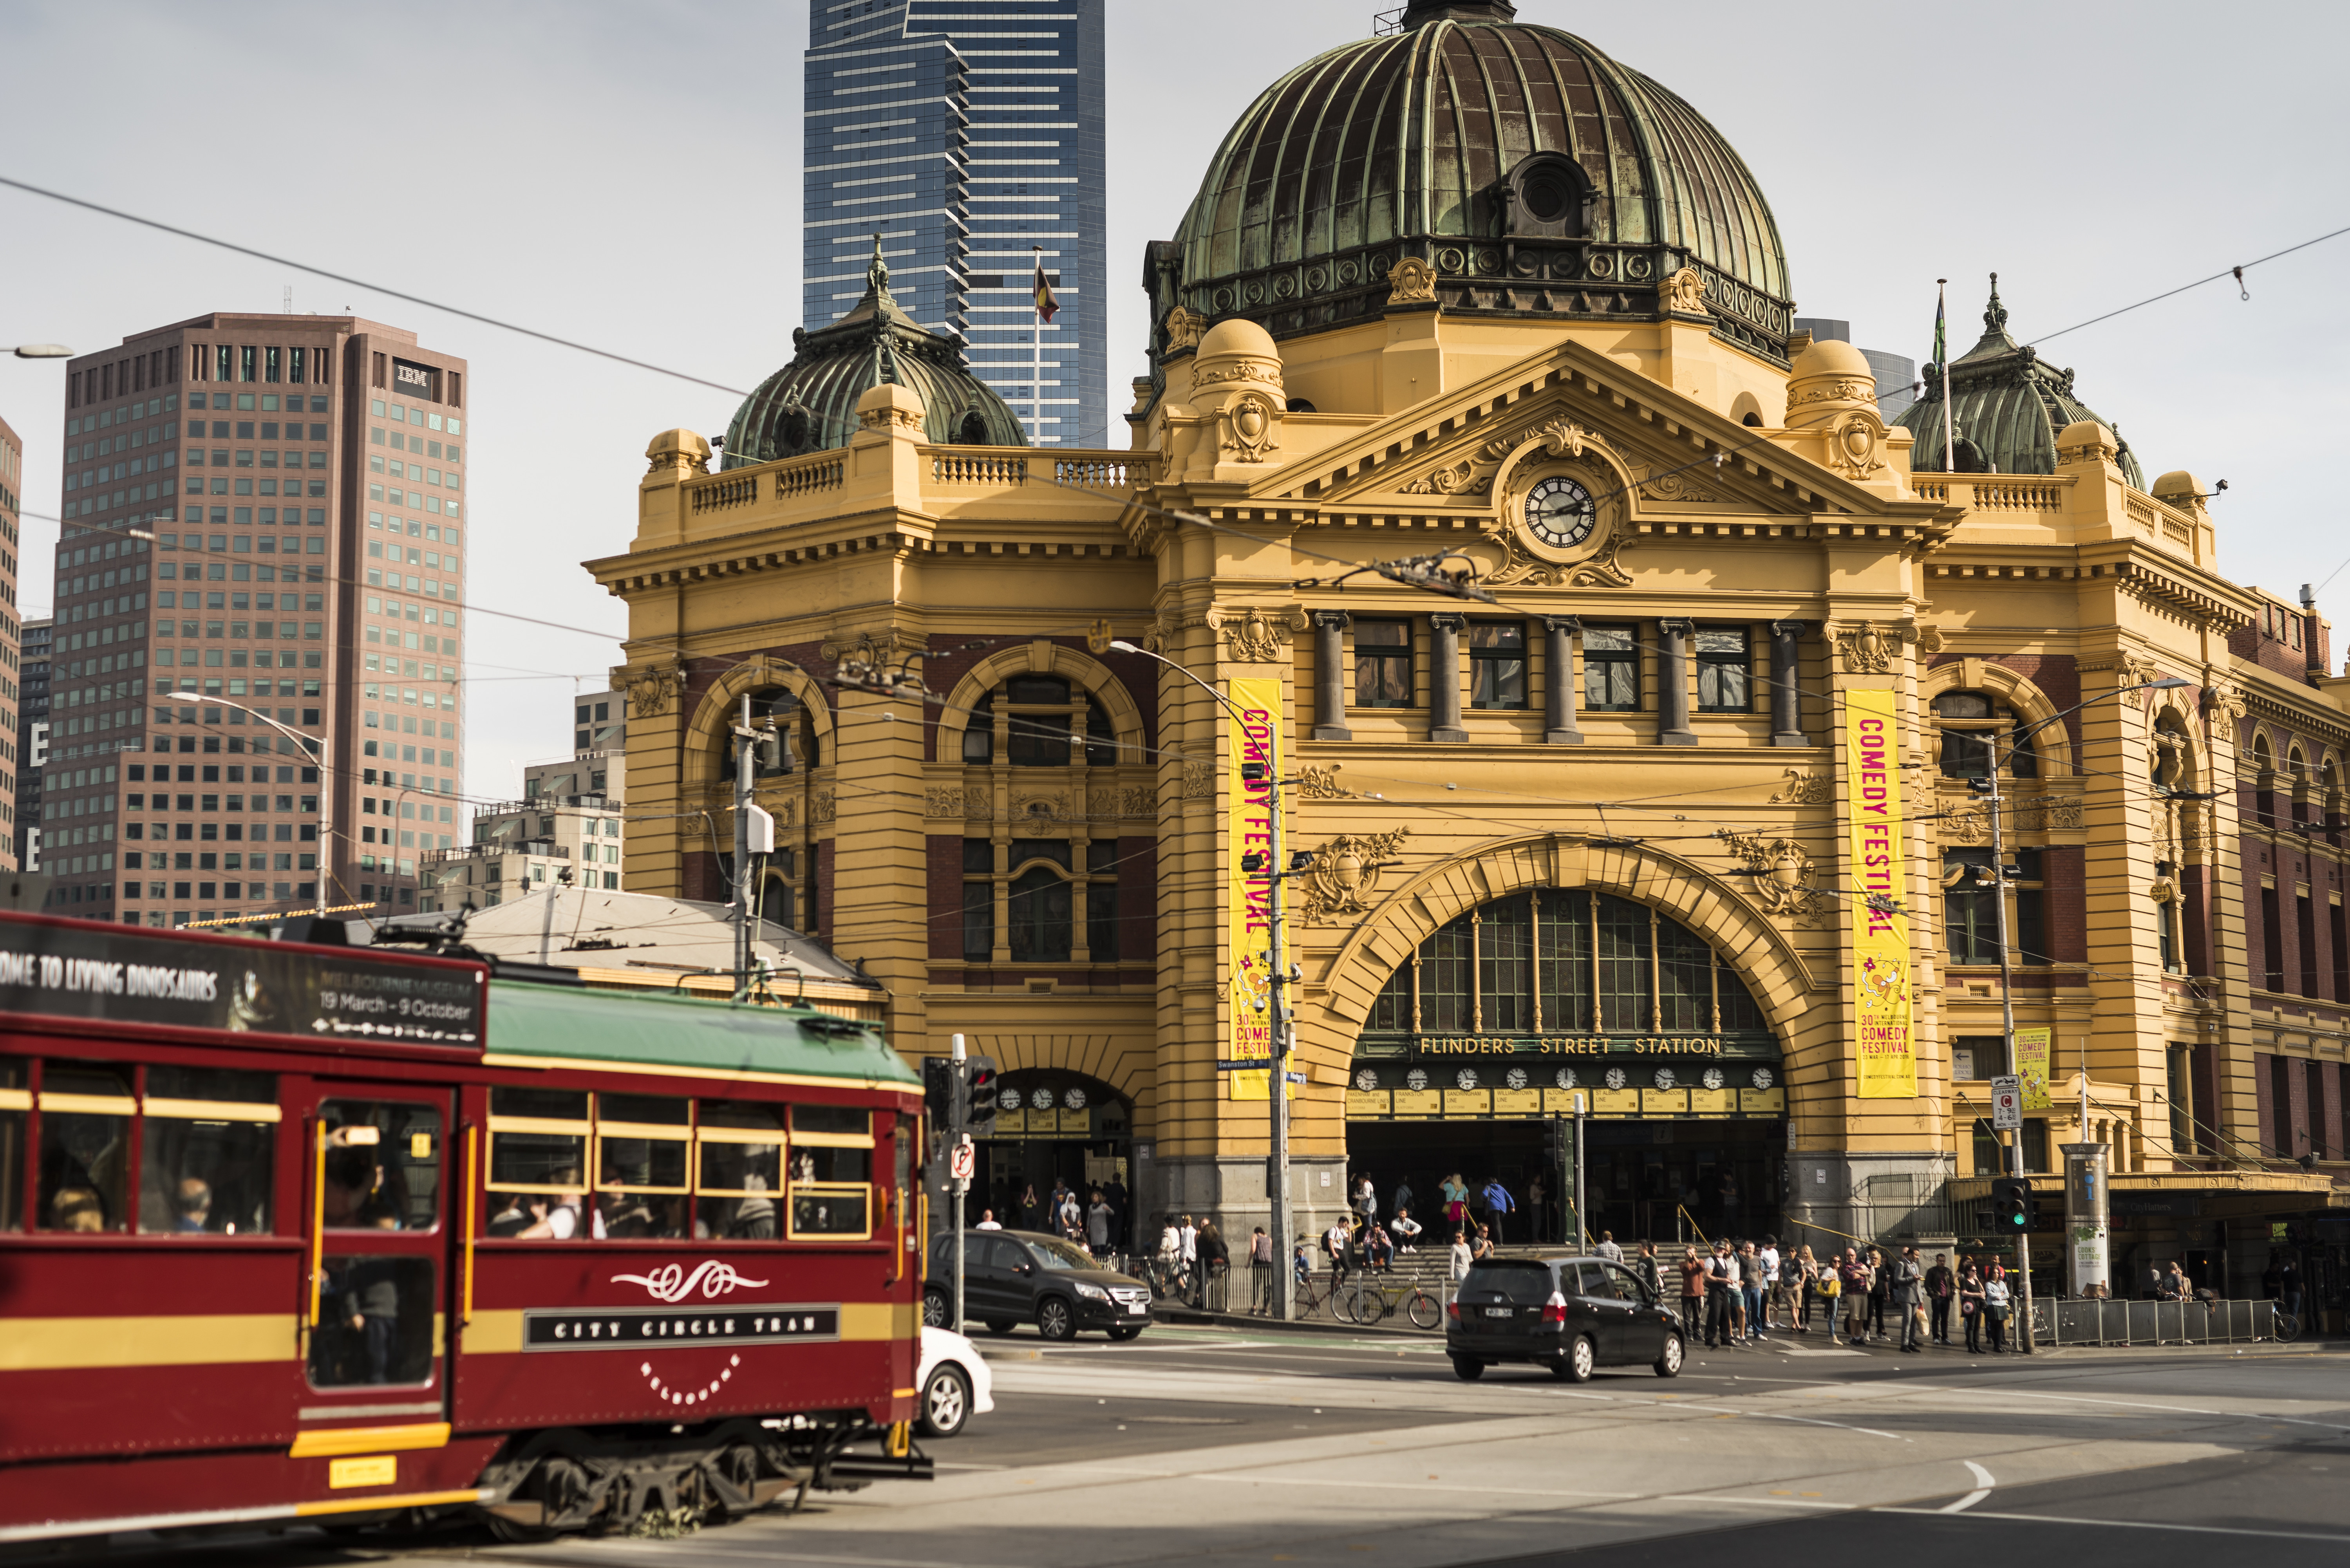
pixel 1248 903
pixel 235 986
pixel 1881 933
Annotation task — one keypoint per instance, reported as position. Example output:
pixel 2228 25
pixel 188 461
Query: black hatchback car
pixel 1570 1314
pixel 1012 1277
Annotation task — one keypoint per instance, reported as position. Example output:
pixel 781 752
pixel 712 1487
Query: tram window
pixel 538 1161
pixel 85 1163
pixel 206 1158
pixel 642 1179
pixel 16 1101
pixel 831 1119
pixel 741 1170
pixel 832 1171
pixel 375 1323
pixel 556 1104
pixel 389 1182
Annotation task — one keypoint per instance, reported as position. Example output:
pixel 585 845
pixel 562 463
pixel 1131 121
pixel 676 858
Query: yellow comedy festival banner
pixel 1248 903
pixel 2032 1067
pixel 1880 934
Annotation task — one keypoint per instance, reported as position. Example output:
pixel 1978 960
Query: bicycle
pixel 2288 1326
pixel 1169 1279
pixel 1367 1305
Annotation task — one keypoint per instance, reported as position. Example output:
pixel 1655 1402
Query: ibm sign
pixel 416 380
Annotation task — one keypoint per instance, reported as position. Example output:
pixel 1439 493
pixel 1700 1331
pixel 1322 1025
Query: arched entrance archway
pixel 1054 1128
pixel 1484 1040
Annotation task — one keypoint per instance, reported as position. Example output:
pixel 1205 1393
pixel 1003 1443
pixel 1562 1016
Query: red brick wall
pixel 2058 676
pixel 2263 1112
pixel 2296 1083
pixel 943 867
pixel 2064 904
pixel 2335 1135
pixel 1138 900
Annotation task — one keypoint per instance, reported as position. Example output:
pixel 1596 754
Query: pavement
pixel 1270 1444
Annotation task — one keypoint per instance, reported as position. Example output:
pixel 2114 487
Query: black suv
pixel 1569 1314
pixel 1011 1277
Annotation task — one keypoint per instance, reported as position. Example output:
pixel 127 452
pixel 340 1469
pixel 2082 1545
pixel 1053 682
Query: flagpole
pixel 1942 349
pixel 1036 375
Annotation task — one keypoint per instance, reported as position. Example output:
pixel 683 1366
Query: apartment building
pixel 32 737
pixel 968 134
pixel 565 832
pixel 307 473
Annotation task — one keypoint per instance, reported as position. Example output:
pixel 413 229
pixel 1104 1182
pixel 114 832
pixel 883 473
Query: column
pixel 1786 717
pixel 1558 690
pixel 1444 677
pixel 1330 675
pixel 1672 683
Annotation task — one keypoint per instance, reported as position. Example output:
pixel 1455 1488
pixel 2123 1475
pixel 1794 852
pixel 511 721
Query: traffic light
pixel 2011 1205
pixel 939 1091
pixel 979 1094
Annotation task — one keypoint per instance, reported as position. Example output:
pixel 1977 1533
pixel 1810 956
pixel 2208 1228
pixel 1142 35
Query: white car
pixel 954 1381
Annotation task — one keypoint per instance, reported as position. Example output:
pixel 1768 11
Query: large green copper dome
pixel 1536 175
pixel 810 404
pixel 2007 408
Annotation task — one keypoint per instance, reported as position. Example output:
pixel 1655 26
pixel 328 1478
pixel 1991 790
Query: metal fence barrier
pixel 2128 1323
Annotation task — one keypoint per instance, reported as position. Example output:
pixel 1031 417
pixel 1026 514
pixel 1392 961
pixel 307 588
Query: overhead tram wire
pixel 385 290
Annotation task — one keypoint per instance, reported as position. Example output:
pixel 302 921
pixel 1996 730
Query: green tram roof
pixel 531 1023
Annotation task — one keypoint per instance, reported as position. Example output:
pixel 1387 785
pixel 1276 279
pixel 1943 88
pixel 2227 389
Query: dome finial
pixel 1995 318
pixel 876 274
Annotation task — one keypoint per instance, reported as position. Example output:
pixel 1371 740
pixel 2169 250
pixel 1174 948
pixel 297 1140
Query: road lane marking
pixel 2136 1524
pixel 1982 1490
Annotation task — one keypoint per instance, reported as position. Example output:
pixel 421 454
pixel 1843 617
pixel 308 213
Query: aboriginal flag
pixel 1047 306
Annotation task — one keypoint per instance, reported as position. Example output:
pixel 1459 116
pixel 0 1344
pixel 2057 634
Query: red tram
pixel 289 1230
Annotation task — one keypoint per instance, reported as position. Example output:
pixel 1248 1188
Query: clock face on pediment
pixel 1560 512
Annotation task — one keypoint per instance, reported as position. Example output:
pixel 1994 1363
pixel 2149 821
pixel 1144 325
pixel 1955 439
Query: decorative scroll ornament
pixel 650 693
pixel 1856 444
pixel 2227 702
pixel 1411 281
pixel 1049 806
pixel 1344 877
pixel 1804 789
pixel 823 807
pixel 1868 648
pixel 1461 479
pixel 1184 329
pixel 1255 636
pixel 1199 780
pixel 871 647
pixel 1133 800
pixel 1675 487
pixel 1781 872
pixel 711 1277
pixel 1520 565
pixel 942 802
pixel 2038 814
pixel 1320 783
pixel 1684 293
pixel 1563 438
pixel 2138 669
pixel 1966 825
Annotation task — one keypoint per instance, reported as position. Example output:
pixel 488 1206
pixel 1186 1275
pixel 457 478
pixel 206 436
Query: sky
pixel 627 176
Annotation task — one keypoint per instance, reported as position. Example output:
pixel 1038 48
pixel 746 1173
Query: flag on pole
pixel 1047 306
pixel 1941 346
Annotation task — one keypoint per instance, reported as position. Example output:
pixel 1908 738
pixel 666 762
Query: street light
pixel 1989 789
pixel 326 791
pixel 1285 1278
pixel 42 351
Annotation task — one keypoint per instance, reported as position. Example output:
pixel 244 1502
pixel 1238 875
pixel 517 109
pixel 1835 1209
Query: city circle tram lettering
pixel 1568 1046
pixel 631 1329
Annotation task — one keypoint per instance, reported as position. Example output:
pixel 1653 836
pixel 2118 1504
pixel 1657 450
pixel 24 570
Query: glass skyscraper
pixel 963 133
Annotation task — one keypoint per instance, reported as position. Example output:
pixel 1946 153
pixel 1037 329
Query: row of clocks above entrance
pixel 1688 1076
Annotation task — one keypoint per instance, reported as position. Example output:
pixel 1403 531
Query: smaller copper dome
pixel 810 404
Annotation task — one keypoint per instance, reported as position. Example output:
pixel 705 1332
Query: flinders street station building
pixel 1688 818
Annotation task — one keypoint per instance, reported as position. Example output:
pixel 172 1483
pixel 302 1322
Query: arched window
pixel 1975 726
pixel 775 703
pixel 2297 779
pixel 2264 782
pixel 1548 195
pixel 1039 911
pixel 1030 720
pixel 1564 962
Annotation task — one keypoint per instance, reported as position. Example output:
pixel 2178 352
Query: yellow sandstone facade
pixel 1590 830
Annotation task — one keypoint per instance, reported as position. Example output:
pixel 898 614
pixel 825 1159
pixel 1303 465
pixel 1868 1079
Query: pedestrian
pixel 2289 1287
pixel 1260 1272
pixel 1378 1246
pixel 1853 1277
pixel 1460 1260
pixel 1334 1241
pixel 1752 1287
pixel 1404 1195
pixel 1455 1198
pixel 1880 1291
pixel 1190 1243
pixel 1693 1273
pixel 1215 1262
pixel 1774 1291
pixel 1995 1297
pixel 1607 1247
pixel 1908 1286
pixel 1721 1289
pixel 1482 1247
pixel 1367 1201
pixel 987 1220
pixel 1538 1210
pixel 1804 1272
pixel 1405 1230
pixel 1498 1203
pixel 1099 1218
pixel 2180 1285
pixel 1970 1305
pixel 1829 1287
pixel 1121 1204
pixel 1942 1287
pixel 1029 1208
pixel 1645 1265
